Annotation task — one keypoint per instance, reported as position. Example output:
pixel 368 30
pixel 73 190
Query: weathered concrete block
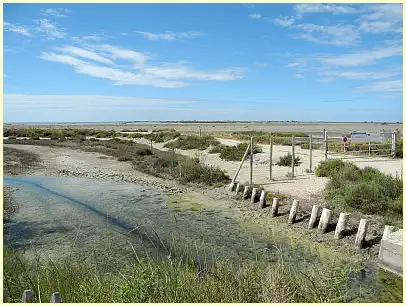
pixel 325 219
pixel 293 211
pixel 262 199
pixel 239 188
pixel 362 233
pixel 274 209
pixel 341 225
pixel 254 195
pixel 247 191
pixel 391 253
pixel 232 186
pixel 314 215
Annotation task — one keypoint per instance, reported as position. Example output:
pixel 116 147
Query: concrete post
pixel 200 131
pixel 247 190
pixel 274 209
pixel 293 211
pixel 388 229
pixel 27 296
pixel 325 144
pixel 341 225
pixel 56 297
pixel 314 215
pixel 393 144
pixel 251 159
pixel 361 234
pixel 293 156
pixel 239 188
pixel 324 220
pixel 270 157
pixel 310 152
pixel 254 195
pixel 262 199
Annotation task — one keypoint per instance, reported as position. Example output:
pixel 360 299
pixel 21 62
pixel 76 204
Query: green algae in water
pixel 181 203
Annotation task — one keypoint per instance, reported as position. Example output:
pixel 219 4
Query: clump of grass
pixel 16 161
pixel 286 160
pixel 178 279
pixel 191 170
pixel 366 190
pixel 272 195
pixel 162 136
pixel 164 130
pixel 192 142
pixel 143 152
pixel 135 135
pixel 281 138
pixel 234 153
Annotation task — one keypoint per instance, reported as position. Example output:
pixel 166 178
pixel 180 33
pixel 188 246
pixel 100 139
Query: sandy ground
pixel 303 186
pixel 334 129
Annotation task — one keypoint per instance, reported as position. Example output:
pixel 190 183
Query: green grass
pixel 306 146
pixel 366 190
pixel 178 279
pixel 286 160
pixel 234 153
pixel 192 142
pixel 59 133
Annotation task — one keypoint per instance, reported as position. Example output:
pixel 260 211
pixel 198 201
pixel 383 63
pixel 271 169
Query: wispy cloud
pixel 298 76
pixel 49 29
pixel 382 86
pixel 91 37
pixel 302 9
pixel 381 18
pixel 167 75
pixel 255 16
pixel 359 75
pixel 284 21
pixel 86 54
pixel 337 35
pixel 55 12
pixel 18 29
pixel 170 35
pixel 361 58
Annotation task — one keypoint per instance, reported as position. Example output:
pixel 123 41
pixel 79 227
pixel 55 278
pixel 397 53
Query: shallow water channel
pixel 58 214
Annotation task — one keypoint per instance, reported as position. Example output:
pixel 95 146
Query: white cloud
pixel 337 35
pixel 359 75
pixel 18 29
pixel 168 75
pixel 170 35
pixel 75 51
pixel 284 21
pixel 261 64
pixel 381 18
pixel 116 52
pixel 383 86
pixel 298 75
pixel 176 71
pixel 361 58
pixel 55 12
pixel 255 16
pixel 295 64
pixel 49 29
pixel 302 9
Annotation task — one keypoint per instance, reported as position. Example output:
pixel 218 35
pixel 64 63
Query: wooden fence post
pixel 251 159
pixel 293 156
pixel 270 157
pixel 239 167
pixel 325 144
pixel 310 152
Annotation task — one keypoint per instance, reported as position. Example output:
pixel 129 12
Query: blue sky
pixel 128 62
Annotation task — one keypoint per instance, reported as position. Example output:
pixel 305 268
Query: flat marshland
pixel 100 216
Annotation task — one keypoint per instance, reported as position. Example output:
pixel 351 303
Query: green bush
pixel 399 149
pixel 234 153
pixel 143 152
pixel 191 170
pixel 366 190
pixel 192 142
pixel 306 146
pixel 287 160
pixel 329 167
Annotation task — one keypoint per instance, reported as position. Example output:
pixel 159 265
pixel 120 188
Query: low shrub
pixel 399 149
pixel 234 153
pixel 143 152
pixel 162 136
pixel 306 146
pixel 286 160
pixel 192 171
pixel 192 142
pixel 366 190
pixel 329 167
